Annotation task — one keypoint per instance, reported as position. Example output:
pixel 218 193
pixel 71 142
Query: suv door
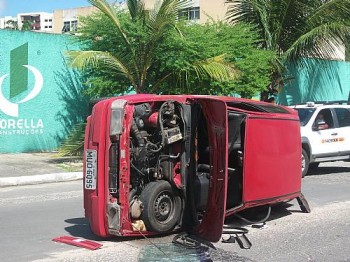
pixel 343 130
pixel 323 141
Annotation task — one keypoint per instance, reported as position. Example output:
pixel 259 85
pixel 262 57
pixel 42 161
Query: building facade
pixel 40 21
pixel 40 97
pixel 8 22
pixel 200 11
pixel 67 20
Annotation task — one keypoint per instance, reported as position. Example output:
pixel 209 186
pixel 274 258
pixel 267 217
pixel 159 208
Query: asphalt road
pixel 31 216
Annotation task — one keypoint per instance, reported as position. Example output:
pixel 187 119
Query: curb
pixel 40 179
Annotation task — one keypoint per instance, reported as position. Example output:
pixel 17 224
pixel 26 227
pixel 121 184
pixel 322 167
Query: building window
pixel 66 27
pixel 192 13
pixel 74 25
pixel 343 116
pixel 46 20
pixel 50 20
pixel 70 26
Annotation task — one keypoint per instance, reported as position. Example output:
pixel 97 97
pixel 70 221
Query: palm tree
pixel 296 28
pixel 138 55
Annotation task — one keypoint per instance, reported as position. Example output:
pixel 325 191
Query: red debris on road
pixel 79 242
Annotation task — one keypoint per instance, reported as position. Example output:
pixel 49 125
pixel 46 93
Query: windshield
pixel 305 115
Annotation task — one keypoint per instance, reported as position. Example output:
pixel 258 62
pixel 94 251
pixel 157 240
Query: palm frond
pixel 296 27
pixel 168 8
pixel 136 9
pixel 215 68
pixel 330 11
pixel 164 16
pixel 252 11
pixel 94 59
pixel 160 21
pixel 110 11
pixel 322 42
pixel 73 145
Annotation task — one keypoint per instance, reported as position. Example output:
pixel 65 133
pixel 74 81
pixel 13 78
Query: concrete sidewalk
pixel 36 168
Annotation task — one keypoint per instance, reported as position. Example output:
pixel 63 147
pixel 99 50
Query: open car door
pixel 211 223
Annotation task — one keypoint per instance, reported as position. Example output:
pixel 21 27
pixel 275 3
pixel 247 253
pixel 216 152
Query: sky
pixel 13 7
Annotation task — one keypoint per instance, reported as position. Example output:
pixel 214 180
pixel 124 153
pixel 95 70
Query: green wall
pixel 316 80
pixel 40 97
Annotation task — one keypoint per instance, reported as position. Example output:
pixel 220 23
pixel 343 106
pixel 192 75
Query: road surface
pixel 31 216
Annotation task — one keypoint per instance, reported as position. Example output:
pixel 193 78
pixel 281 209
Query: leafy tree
pixel 174 60
pixel 239 43
pixel 177 53
pixel 138 34
pixel 11 24
pixel 295 28
pixel 27 25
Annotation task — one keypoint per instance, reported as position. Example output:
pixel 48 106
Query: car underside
pixel 179 162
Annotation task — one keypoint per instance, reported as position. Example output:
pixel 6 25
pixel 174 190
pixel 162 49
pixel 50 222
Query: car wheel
pixel 304 163
pixel 162 206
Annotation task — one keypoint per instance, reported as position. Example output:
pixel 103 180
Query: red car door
pixel 272 166
pixel 212 223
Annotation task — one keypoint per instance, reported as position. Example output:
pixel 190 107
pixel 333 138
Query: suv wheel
pixel 304 163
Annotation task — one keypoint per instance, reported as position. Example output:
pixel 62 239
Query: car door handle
pixel 334 134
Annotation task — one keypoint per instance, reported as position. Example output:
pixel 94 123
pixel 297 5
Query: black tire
pixel 162 206
pixel 304 163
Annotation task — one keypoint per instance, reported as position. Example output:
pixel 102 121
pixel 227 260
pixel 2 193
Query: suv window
pixel 305 114
pixel 326 116
pixel 343 116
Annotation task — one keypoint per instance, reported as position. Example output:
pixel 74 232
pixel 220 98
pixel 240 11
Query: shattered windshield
pixel 305 115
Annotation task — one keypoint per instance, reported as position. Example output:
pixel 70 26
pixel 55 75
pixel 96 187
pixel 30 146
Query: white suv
pixel 325 133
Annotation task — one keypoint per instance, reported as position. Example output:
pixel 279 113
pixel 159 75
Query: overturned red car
pixel 155 164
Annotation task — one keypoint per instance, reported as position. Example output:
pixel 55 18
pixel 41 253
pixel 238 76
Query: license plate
pixel 90 169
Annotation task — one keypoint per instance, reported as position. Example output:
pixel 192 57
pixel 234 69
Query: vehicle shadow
pixel 260 214
pixel 326 170
pixel 80 228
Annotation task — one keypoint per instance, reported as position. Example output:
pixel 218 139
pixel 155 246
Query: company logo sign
pixel 19 69
pixel 10 108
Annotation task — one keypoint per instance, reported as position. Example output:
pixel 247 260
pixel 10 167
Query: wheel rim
pixel 164 207
pixel 303 162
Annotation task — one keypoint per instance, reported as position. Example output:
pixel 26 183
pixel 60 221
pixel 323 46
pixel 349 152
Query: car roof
pixel 335 104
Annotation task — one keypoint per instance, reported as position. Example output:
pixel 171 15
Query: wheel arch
pixel 305 144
